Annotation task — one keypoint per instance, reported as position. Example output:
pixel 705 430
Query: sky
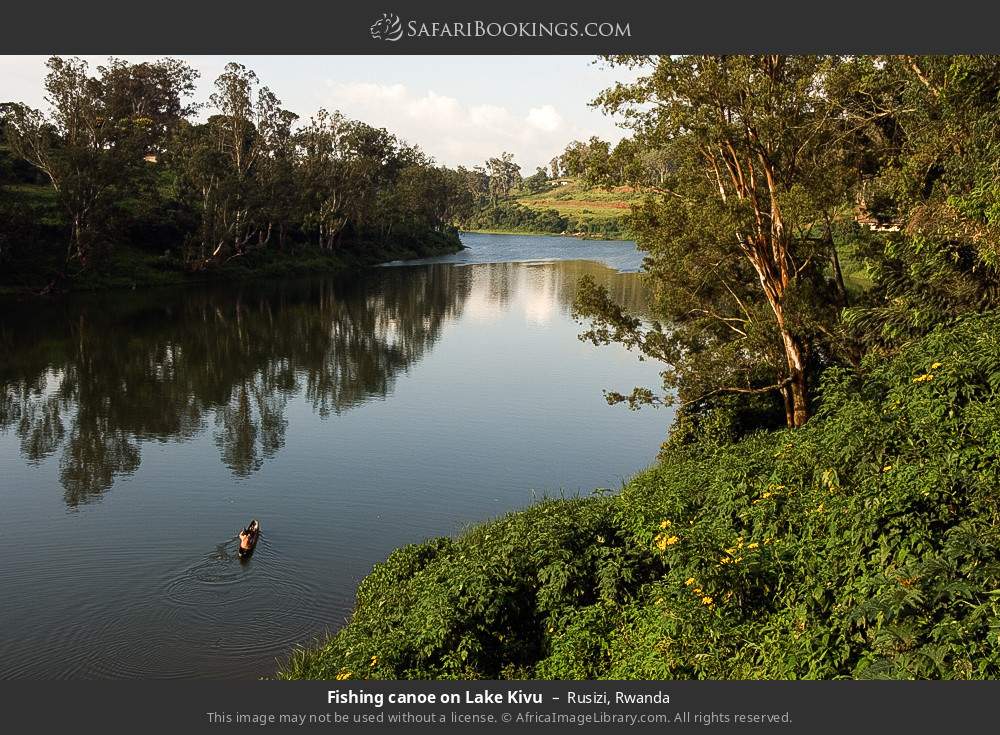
pixel 459 109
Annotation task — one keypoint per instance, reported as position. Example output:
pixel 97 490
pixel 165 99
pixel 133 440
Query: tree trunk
pixel 796 394
pixel 838 278
pixel 797 371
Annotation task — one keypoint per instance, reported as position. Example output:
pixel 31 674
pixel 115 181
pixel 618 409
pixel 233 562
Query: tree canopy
pixel 768 169
pixel 129 162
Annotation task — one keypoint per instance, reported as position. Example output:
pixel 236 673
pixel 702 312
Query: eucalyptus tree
pixel 324 179
pixel 459 199
pixel 154 95
pixel 571 160
pixel 229 168
pixel 504 176
pixel 741 254
pixel 537 182
pixel 477 183
pixel 92 142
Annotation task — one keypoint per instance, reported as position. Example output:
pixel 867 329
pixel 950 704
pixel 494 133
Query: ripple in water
pixel 236 605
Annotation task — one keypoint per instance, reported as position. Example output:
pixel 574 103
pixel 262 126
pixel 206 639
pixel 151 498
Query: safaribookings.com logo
pixel 387 28
pixel 390 28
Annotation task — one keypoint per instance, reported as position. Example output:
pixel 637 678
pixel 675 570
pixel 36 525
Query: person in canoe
pixel 248 538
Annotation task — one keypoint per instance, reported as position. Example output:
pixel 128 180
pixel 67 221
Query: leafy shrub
pixel 866 544
pixel 482 605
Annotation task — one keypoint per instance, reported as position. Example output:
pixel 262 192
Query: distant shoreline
pixel 135 269
pixel 533 233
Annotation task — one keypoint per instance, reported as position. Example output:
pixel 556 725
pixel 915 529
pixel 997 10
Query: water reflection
pixel 95 378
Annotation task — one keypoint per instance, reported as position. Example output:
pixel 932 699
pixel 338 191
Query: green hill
pixel 568 206
pixel 592 207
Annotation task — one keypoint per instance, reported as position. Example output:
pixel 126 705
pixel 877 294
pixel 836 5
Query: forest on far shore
pixel 123 180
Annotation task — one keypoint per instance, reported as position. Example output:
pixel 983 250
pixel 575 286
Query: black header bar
pixel 509 27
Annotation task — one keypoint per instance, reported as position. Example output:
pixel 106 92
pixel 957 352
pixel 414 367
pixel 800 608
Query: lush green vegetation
pixel 574 196
pixel 564 206
pixel 771 179
pixel 865 544
pixel 822 250
pixel 823 254
pixel 117 183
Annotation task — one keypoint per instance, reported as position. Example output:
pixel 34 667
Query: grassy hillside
pixel 595 209
pixel 568 207
pixel 865 545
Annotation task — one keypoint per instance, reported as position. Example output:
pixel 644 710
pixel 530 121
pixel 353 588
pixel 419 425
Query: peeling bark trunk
pixel 799 387
pixel 796 393
pixel 786 396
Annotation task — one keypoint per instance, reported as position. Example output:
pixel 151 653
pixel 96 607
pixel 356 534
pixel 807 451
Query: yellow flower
pixel 923 378
pixel 343 675
pixel 725 560
pixel 753 545
pixel 689 581
pixel 887 468
pixel 697 590
pixel 663 541
pixel 374 660
pixel 935 366
pixel 706 600
pixel 664 524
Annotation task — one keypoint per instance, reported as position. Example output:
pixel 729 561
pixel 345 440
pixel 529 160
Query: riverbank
pixel 862 545
pixel 538 233
pixel 567 207
pixel 130 267
pixel 273 399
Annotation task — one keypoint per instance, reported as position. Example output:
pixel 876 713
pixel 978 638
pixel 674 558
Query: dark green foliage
pixel 933 177
pixel 865 544
pixel 127 180
pixel 482 606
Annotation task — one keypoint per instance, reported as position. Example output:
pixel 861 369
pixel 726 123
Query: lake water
pixel 140 430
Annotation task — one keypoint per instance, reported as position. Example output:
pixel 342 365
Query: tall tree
pixel 740 240
pixel 504 176
pixel 325 177
pixel 231 166
pixel 91 143
pixel 152 95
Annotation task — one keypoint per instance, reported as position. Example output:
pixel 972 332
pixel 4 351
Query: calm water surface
pixel 140 430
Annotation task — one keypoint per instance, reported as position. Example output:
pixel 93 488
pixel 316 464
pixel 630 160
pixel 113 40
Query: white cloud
pixel 545 118
pixel 453 132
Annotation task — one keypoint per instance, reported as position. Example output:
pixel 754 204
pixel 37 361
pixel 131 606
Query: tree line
pixel 128 159
pixel 768 178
